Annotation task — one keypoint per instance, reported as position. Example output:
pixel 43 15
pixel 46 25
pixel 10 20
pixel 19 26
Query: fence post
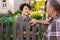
pixel 27 30
pixel 14 31
pixel 34 32
pixel 45 31
pixel 21 31
pixel 39 30
pixel 7 31
pixel 1 31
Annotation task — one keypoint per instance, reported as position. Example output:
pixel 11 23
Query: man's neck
pixel 58 14
pixel 26 17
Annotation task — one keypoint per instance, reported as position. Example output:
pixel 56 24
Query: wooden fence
pixel 36 29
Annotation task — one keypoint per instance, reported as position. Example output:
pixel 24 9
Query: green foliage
pixel 37 5
pixel 5 19
pixel 36 17
pixel 16 14
pixel 9 18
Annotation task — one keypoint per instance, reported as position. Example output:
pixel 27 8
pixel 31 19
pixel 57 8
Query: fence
pixel 36 29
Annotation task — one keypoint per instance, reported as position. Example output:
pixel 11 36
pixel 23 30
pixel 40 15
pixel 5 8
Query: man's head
pixel 53 7
pixel 25 9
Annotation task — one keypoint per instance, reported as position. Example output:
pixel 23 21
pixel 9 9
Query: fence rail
pixel 5 32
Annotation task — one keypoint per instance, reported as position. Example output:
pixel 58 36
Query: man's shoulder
pixel 57 20
pixel 18 19
pixel 20 16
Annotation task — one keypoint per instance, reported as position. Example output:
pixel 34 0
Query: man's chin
pixel 26 15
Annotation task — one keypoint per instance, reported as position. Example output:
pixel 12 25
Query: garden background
pixel 37 12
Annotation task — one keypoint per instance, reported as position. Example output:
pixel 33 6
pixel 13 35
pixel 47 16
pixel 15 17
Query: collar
pixel 55 17
pixel 24 18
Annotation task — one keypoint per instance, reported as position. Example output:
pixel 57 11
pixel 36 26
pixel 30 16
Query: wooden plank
pixel 45 27
pixel 39 30
pixel 34 32
pixel 21 31
pixel 45 31
pixel 14 31
pixel 7 31
pixel 1 31
pixel 27 30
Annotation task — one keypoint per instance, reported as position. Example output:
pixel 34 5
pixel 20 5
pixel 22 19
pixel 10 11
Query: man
pixel 23 18
pixel 53 30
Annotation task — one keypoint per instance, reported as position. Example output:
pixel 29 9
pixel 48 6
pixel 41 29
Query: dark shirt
pixel 23 20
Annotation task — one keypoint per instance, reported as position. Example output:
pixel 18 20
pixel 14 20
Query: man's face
pixel 26 11
pixel 50 10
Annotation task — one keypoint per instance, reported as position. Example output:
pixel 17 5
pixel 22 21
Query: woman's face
pixel 26 11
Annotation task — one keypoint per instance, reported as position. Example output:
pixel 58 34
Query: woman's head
pixel 25 9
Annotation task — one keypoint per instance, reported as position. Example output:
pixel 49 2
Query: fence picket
pixel 1 31
pixel 20 36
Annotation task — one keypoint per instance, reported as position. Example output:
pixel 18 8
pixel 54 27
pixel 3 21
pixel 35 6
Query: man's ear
pixel 52 10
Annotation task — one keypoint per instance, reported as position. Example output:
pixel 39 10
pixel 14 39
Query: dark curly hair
pixel 24 4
